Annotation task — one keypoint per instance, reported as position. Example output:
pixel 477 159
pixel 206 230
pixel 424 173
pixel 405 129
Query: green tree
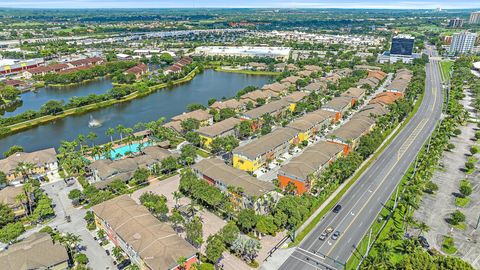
pixel 52 107
pixel 141 175
pixel 215 248
pixel 266 225
pixel 12 150
pixel 169 164
pixel 194 231
pixel 247 219
pixel 81 258
pixel 176 219
pixel 156 204
pixel 457 217
pixel 230 232
pixel 3 179
pixel 245 129
pixel 6 215
pixel 195 106
pixel 11 231
pixel 188 154
pixel 10 92
pixel 190 124
pixel 193 137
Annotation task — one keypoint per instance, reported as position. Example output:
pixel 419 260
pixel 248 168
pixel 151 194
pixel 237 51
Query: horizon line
pixel 284 8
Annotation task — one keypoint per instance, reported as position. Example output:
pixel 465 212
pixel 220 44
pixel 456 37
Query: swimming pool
pixel 124 150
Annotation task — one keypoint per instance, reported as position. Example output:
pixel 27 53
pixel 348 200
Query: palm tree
pixel 24 169
pixel 181 262
pixel 110 132
pixel 21 199
pixel 81 140
pixel 120 130
pixel 91 137
pixel 177 195
pixel 422 227
pixel 28 190
pixel 70 241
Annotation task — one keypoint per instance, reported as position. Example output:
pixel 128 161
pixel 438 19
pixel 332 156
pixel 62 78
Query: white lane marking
pixel 314 266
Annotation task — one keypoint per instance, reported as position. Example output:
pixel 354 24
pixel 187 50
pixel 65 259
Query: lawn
pixel 446 66
pixel 462 202
pixel 448 246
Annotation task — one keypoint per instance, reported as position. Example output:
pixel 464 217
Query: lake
pixel 163 103
pixel 35 100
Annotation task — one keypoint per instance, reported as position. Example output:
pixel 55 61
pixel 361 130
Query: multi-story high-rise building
pixel 402 45
pixel 474 17
pixel 462 42
pixel 455 23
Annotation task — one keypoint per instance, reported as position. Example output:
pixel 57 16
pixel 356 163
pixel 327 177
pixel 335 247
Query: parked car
pixel 337 208
pixel 123 264
pixel 108 252
pixel 423 241
pixel 335 235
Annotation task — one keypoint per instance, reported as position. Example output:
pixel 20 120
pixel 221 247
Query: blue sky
pixel 398 4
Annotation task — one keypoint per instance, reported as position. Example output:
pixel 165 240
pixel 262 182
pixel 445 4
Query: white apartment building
pixel 474 17
pixel 462 42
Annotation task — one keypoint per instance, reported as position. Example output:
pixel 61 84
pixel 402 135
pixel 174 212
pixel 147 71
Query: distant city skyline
pixel 370 4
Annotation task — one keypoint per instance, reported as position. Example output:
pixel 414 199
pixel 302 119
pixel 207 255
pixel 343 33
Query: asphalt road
pixel 365 199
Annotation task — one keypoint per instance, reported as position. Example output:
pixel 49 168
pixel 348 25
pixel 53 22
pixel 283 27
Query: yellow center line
pixel 378 187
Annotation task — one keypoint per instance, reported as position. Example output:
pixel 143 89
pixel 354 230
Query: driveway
pixel 58 192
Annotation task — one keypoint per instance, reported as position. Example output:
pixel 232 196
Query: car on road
pixel 323 236
pixel 329 229
pixel 335 235
pixel 423 241
pixel 123 264
pixel 337 208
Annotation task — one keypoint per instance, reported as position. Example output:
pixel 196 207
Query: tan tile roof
pixel 315 86
pixel 311 119
pixel 310 161
pixel 290 79
pixel 37 158
pixel 254 95
pixel 155 242
pixel 378 74
pixel 338 103
pixel 38 251
pixel 219 128
pixel 269 108
pixel 360 123
pixel 200 115
pixel 312 68
pixel 8 195
pixel 353 92
pixel 276 87
pixel 217 170
pixel 266 143
pixel 304 73
pixel 224 104
pixel 295 96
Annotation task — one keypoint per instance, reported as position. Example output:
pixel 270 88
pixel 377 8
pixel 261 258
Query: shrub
pixel 457 217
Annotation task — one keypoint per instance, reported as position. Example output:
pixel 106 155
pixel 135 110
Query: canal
pixel 163 103
pixel 34 100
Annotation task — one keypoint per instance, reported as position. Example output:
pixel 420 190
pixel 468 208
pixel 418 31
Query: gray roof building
pixel 38 251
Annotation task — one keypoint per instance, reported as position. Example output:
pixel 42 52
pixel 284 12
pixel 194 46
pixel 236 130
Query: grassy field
pixel 446 66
